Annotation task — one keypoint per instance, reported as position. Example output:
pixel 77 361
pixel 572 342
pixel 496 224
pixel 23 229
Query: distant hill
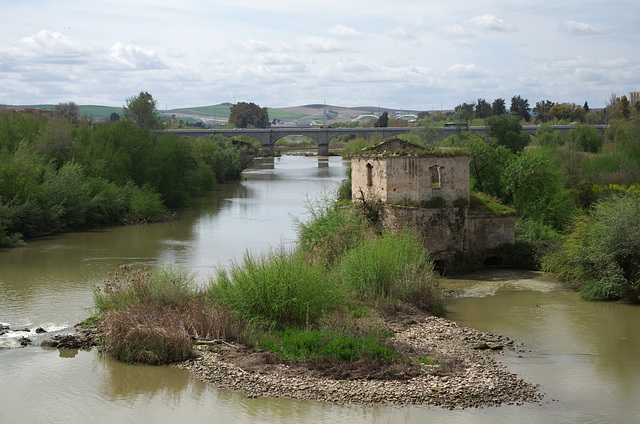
pixel 301 115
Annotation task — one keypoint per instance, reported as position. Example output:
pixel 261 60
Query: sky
pixel 409 54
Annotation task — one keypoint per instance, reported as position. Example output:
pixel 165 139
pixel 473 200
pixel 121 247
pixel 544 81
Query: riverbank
pixel 466 374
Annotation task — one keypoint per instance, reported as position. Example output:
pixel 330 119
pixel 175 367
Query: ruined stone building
pixel 431 193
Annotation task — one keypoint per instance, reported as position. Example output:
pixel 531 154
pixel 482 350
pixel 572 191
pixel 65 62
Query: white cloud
pixel 578 28
pixel 50 47
pixel 454 32
pixel 401 33
pixel 251 45
pixel 344 32
pixel 321 44
pixel 489 23
pixel 468 71
pixel 136 57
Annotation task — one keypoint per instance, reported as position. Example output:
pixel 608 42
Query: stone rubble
pixel 482 381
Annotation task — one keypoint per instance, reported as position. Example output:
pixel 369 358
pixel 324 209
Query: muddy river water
pixel 584 355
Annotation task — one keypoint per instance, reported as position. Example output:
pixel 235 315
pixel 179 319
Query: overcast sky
pixel 411 54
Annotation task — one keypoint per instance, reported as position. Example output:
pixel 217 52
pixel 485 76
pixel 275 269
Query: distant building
pixel 634 96
pixel 431 193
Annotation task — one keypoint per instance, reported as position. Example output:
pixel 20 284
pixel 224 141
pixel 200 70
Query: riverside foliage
pixel 576 201
pixel 294 303
pixel 58 174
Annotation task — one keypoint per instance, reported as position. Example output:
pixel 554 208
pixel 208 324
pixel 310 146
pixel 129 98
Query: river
pixel 583 354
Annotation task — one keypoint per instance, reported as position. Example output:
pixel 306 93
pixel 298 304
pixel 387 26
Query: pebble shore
pixel 479 380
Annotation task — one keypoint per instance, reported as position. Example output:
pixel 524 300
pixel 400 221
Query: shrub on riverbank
pixel 291 303
pixel 152 316
pixel 281 289
pixel 393 267
pixel 56 175
pixel 601 254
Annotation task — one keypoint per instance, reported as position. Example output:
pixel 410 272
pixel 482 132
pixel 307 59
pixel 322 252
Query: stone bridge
pixel 323 136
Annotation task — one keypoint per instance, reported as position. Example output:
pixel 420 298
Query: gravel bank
pixel 476 380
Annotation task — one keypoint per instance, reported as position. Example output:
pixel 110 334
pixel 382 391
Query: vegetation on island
pixel 323 302
pixel 63 172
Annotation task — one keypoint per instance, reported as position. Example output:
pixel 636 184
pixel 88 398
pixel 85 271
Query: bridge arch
pixel 323 136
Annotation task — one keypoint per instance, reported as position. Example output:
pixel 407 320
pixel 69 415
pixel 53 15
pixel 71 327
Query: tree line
pixel 63 172
pixel 577 198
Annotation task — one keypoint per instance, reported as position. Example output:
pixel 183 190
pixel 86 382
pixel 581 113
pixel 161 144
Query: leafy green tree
pixel 611 109
pixel 535 183
pixel 542 110
pixel 142 109
pixel 487 162
pixel 243 115
pixel 599 255
pixel 465 112
pixel 613 251
pixel 520 108
pixel 507 131
pixel 69 111
pixel 561 111
pixel 383 121
pixel 623 107
pixel 483 109
pixel 587 137
pixel 498 107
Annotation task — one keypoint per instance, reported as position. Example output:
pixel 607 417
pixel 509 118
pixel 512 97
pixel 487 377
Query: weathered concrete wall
pixel 449 230
pixel 490 231
pixel 443 230
pixel 410 178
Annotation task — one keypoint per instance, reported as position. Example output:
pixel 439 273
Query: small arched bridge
pixel 323 136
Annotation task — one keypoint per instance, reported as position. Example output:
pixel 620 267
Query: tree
pixel 507 131
pixel 483 109
pixel 542 110
pixel 520 108
pixel 498 107
pixel 243 115
pixel 587 137
pixel 383 121
pixel 535 182
pixel 586 106
pixel 142 110
pixel 611 109
pixel 623 107
pixel 464 112
pixel 69 111
pixel 487 162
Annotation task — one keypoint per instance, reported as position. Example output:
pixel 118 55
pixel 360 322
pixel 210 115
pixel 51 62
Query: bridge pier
pixel 323 143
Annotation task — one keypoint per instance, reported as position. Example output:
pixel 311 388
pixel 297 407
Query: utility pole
pixel 325 113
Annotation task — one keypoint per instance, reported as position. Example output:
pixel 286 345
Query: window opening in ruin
pixel 436 176
pixel 369 175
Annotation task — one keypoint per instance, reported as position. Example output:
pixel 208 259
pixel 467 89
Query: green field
pixel 220 110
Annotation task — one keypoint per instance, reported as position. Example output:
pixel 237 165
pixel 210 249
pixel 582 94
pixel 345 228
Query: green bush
pixel 547 136
pixel 355 146
pixel 66 189
pixel 601 254
pixel 146 204
pixel 391 267
pixel 330 231
pixel 613 249
pixel 587 137
pixel 279 288
pixel 300 345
